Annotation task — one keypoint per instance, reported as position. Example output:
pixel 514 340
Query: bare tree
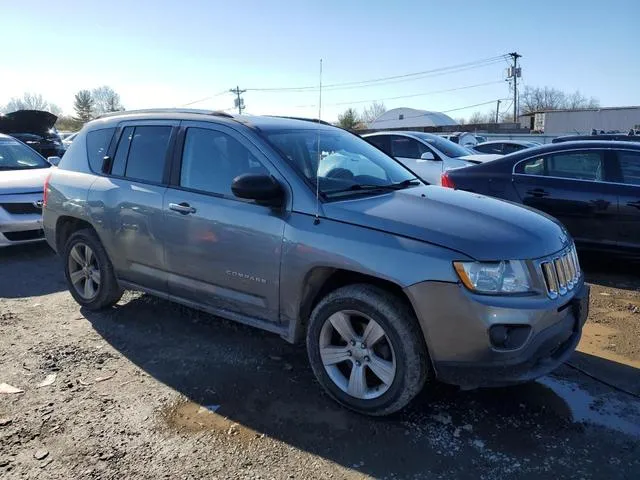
pixel 479 117
pixel 31 101
pixel 105 100
pixel 373 111
pixel 533 99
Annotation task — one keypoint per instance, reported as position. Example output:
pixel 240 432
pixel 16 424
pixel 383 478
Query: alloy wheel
pixel 84 271
pixel 357 354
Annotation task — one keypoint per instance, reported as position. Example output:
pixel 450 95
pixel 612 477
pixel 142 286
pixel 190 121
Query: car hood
pixel 37 122
pixel 23 181
pixel 481 227
pixel 481 157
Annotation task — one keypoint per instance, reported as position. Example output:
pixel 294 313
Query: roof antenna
pixel 316 221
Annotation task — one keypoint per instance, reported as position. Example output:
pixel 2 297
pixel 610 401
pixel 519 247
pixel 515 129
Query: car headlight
pixel 510 276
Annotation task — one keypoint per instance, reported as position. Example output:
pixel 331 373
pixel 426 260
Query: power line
pixel 407 96
pixel 205 98
pixel 390 79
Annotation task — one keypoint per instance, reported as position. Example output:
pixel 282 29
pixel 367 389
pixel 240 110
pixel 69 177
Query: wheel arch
pixel 320 281
pixel 66 225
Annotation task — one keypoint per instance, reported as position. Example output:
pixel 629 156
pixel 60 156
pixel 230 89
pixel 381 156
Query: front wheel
pixel 89 272
pixel 366 349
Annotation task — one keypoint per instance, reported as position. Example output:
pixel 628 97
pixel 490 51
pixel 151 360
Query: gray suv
pixel 310 232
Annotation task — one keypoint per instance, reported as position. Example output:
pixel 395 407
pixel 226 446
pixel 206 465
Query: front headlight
pixel 510 276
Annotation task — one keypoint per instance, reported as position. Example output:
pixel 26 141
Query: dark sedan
pixel 592 187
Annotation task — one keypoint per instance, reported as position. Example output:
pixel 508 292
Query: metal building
pixel 582 121
pixel 409 118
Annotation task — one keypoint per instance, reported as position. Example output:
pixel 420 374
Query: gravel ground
pixel 154 390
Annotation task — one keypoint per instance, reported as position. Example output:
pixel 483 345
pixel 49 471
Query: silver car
pixel 22 175
pixel 391 283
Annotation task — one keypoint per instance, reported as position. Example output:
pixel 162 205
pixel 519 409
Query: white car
pixel 426 155
pixel 66 142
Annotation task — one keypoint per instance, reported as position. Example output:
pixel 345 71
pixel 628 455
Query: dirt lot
pixel 154 390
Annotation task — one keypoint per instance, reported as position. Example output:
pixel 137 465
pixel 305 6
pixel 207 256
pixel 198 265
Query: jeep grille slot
pixel 561 273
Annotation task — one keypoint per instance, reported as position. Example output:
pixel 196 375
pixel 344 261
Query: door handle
pixel 538 192
pixel 183 208
pixel 634 204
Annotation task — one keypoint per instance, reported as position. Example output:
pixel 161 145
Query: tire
pixel 402 349
pixel 104 291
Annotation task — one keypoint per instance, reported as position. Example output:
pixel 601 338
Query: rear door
pixel 126 203
pixel 221 251
pixel 408 151
pixel 628 199
pixel 572 186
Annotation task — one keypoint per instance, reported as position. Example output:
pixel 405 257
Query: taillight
pixel 46 191
pixel 445 180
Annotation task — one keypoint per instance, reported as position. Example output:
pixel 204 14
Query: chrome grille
pixel 561 273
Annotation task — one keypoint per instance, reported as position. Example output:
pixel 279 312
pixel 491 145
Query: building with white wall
pixel 582 121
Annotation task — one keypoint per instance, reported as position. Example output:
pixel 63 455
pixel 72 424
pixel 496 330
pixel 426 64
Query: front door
pixel 221 251
pixel 571 186
pixel 629 200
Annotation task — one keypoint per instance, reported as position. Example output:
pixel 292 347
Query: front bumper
pixel 456 326
pixel 20 219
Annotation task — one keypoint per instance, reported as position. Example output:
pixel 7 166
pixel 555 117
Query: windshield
pixel 347 163
pixel 450 149
pixel 17 156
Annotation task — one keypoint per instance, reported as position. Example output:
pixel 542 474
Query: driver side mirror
pixel 54 160
pixel 264 189
pixel 428 156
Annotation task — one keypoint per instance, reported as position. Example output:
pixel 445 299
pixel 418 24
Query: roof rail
pixel 168 110
pixel 314 120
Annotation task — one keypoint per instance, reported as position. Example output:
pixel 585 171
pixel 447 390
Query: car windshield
pixel 347 163
pixel 17 156
pixel 450 149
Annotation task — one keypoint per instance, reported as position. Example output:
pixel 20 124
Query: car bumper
pixel 20 219
pixel 456 326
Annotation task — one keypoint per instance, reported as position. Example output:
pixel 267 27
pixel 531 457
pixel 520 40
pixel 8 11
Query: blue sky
pixel 169 53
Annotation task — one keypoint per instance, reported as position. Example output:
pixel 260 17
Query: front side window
pixel 339 161
pixel 572 165
pixel 212 159
pixel 630 167
pixel 17 156
pixel 141 153
pixel 97 146
pixel 405 147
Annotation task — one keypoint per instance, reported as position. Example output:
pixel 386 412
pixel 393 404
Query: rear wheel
pixel 89 272
pixel 367 350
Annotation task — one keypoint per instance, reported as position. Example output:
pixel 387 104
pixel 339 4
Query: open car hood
pixel 37 122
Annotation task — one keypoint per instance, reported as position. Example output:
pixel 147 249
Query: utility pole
pixel 515 72
pixel 497 111
pixel 239 101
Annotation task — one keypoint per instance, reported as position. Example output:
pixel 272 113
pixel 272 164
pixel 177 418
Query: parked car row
pixel 309 231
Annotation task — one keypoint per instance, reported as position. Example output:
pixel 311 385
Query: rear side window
pixel 381 142
pixel 586 165
pixel 97 146
pixel 142 152
pixel 630 167
pixel 492 148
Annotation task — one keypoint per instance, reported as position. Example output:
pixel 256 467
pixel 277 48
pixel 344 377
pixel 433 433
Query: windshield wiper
pixel 359 187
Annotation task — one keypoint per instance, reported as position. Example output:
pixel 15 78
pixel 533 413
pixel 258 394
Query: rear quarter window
pixel 97 145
